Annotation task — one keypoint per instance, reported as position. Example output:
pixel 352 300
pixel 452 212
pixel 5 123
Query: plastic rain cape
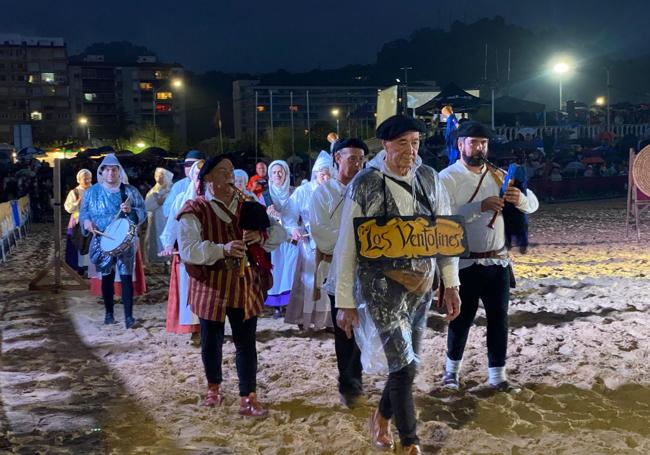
pixel 392 296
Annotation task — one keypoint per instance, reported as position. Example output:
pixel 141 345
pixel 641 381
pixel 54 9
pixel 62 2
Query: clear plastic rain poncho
pixel 102 206
pixel 392 297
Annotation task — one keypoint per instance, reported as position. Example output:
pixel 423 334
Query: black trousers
pixel 243 335
pixel 348 358
pixel 491 284
pixel 397 400
pixel 108 289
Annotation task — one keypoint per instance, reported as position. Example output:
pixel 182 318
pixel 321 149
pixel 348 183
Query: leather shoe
pixel 214 396
pixel 131 323
pixel 109 319
pixel 249 406
pixel 413 449
pixel 506 387
pixel 380 433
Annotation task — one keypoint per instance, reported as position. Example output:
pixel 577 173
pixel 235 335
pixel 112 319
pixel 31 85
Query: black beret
pixel 211 163
pixel 352 142
pixel 397 125
pixel 195 155
pixel 472 128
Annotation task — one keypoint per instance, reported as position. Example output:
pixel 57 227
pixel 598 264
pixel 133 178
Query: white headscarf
pixel 323 162
pixel 111 160
pixel 168 177
pixel 190 192
pixel 241 174
pixel 280 194
pixel 81 173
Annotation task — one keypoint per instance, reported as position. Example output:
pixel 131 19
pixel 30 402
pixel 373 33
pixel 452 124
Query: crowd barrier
pixel 578 187
pixel 14 219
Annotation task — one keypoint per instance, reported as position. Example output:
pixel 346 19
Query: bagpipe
pixel 252 217
pixel 513 218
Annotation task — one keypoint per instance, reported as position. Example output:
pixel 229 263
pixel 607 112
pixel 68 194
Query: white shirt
pixel 177 188
pixel 193 249
pixel 345 253
pixel 325 220
pixel 460 183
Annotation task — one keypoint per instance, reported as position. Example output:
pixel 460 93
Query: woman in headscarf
pixel 284 258
pixel 302 309
pixel 76 249
pixel 241 179
pixel 180 318
pixel 156 219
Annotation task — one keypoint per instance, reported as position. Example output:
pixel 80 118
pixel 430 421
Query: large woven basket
pixel 641 170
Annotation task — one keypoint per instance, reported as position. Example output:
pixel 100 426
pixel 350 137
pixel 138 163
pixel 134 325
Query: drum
pixel 118 236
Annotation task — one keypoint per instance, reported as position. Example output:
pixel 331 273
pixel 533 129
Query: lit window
pixel 164 95
pixel 293 108
pixel 31 79
pixel 261 108
pixel 36 115
pixel 47 78
pixel 90 96
pixel 163 107
pixel 146 86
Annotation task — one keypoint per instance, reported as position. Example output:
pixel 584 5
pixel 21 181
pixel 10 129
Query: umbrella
pixel 575 166
pixel 29 151
pixel 155 151
pixel 593 160
pixel 25 173
pixel 106 149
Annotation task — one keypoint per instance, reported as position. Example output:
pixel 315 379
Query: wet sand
pixel 579 346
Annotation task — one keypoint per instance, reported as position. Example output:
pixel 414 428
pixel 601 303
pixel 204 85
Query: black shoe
pixel 523 249
pixel 352 400
pixel 109 319
pixel 131 323
pixel 506 387
pixel 450 381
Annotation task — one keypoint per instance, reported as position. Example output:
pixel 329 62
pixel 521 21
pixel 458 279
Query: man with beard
pixel 473 187
pixel 325 221
pixel 387 301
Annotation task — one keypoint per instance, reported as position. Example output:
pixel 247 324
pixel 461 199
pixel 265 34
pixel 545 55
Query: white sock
pixel 453 366
pixel 496 375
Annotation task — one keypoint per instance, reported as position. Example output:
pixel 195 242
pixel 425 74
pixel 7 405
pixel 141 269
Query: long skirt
pixel 302 309
pixel 284 260
pixel 180 318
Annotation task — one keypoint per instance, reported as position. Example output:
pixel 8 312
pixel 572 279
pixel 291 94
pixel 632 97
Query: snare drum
pixel 118 237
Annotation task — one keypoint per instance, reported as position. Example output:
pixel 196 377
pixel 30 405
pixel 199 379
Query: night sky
pixel 256 35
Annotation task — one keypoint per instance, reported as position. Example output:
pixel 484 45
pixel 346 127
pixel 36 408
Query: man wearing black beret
pixel 474 192
pixel 387 301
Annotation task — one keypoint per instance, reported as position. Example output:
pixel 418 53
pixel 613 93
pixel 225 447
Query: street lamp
pixel 83 121
pixel 561 68
pixel 600 101
pixel 335 113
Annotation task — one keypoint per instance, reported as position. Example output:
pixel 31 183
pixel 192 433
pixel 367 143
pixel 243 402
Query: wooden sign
pixel 410 237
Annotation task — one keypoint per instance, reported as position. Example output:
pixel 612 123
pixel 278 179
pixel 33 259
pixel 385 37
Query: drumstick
pixel 104 235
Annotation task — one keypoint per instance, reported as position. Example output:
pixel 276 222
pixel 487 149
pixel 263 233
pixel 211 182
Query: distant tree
pixel 278 146
pixel 146 136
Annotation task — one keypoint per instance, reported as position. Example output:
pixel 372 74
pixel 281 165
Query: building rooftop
pixel 14 39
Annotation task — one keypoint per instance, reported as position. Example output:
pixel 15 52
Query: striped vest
pixel 213 288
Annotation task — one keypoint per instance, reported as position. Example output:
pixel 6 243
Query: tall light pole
pixel 609 97
pixel 561 68
pixel 83 121
pixel 335 113
pixel 405 89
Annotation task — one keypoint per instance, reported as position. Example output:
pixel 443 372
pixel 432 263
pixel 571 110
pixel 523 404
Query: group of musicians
pixel 379 309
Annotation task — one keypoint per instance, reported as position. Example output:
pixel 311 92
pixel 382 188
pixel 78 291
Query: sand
pixel 579 345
